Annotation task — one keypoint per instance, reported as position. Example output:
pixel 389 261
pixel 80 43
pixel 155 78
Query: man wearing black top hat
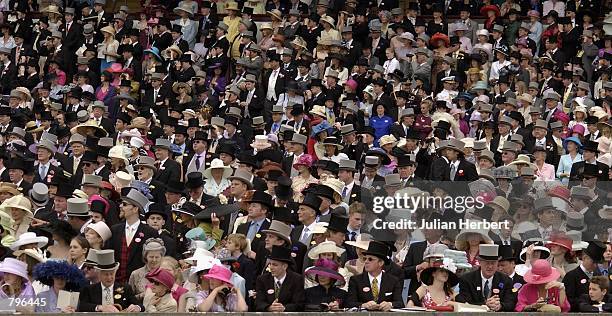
pixel 590 152
pixel 452 166
pixel 17 168
pixel 166 166
pixel 375 289
pixel 486 285
pixel 507 263
pixel 157 218
pixel 577 281
pixel 279 290
pixel 130 61
pixel 258 207
pixel 199 158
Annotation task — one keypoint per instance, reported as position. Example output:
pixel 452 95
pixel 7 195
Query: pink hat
pixel 326 268
pixel 305 160
pixel 561 116
pixel 161 276
pixel 541 273
pixel 578 129
pixel 561 192
pixel 16 267
pixel 220 273
pixel 352 84
pixel 533 13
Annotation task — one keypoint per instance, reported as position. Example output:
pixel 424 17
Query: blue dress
pixel 50 302
pixel 381 125
pixel 565 166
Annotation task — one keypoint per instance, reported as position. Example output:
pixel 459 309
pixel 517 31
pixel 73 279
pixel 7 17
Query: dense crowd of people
pixel 221 156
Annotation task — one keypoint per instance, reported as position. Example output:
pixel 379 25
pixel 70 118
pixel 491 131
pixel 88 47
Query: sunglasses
pixel 369 259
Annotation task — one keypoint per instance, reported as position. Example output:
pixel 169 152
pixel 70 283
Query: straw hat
pixel 217 164
pixel 28 238
pixel 325 247
pixel 108 29
pixel 275 14
pixel 461 242
pixel 387 139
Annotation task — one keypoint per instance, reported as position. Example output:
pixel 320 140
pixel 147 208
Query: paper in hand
pixel 65 299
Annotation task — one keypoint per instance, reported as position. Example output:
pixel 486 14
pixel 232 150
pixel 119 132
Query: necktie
pixel 352 238
pixel 375 289
pixel 274 127
pixel 43 171
pixel 198 162
pixel 108 300
pixel 589 274
pixel 129 236
pixel 486 291
pixel 277 287
pixel 75 166
pixel 344 192
pixel 305 234
pixel 252 231
pixel 453 171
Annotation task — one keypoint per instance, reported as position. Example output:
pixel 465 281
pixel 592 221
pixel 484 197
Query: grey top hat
pixel 217 121
pixel 583 85
pixel 556 124
pixel 88 29
pixel 505 120
pixel 487 154
pixel 280 229
pixel 82 60
pixel 102 2
pixel 106 260
pixel 511 101
pixel 39 194
pixel 299 138
pixel 69 11
pixel 488 252
pixel 517 138
pixel 222 26
pixel 234 89
pixel 250 78
pixel 541 124
pixel 163 143
pixel 146 161
pixel 498 28
pixel 485 108
pixel 407 112
pixel 574 221
pixel 504 172
pixel 98 104
pixel 480 145
pixel 49 136
pixel 78 207
pixel 91 180
pixel 258 120
pixel 543 202
pixel 105 142
pixel 527 172
pixel 371 161
pixel 243 176
pixel 234 111
pixel 82 116
pixel 77 138
pixel 47 144
pixel 136 198
pixel 277 109
pixel 452 144
pixel 582 192
pixel 393 179
pixel 347 129
pixel 346 164
pixel 552 95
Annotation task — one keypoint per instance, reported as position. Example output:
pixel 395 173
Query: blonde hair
pixel 176 271
pixel 239 240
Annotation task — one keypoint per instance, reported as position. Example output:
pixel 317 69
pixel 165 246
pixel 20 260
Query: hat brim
pixel 427 276
pixel 111 267
pixel 531 278
pixel 328 273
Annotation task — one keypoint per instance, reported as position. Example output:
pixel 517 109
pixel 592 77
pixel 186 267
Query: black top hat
pixel 5 110
pixel 177 29
pixel 271 155
pixel 283 190
pixel 506 253
pixel 338 223
pixel 194 180
pixel 157 208
pixel 312 201
pixel 248 159
pixel 219 210
pixel 297 110
pixel 444 125
pixel 186 58
pixel 98 206
pixel 591 120
pixel 595 251
pixel 404 161
pixel 331 166
pixel 368 130
pixel 261 197
pixel 280 253
pixel 316 83
pixel 274 175
pixel 284 215
pixel 64 189
pixel 590 146
pixel 227 148
pixel 174 186
pixel 412 134
pixel 378 249
pixel 189 208
pixel 201 135
pixel 591 170
pixel 90 156
pixel 17 164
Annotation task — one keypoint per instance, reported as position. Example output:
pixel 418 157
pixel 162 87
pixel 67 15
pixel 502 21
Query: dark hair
pixel 602 281
pixel 82 241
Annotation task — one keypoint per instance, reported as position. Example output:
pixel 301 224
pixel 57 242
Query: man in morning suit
pixel 375 289
pixel 258 206
pixel 106 295
pixel 279 290
pixel 129 236
pixel 577 281
pixel 486 285
pixel 167 167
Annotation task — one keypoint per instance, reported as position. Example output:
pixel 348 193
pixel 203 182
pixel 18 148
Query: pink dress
pixel 528 294
pixel 428 302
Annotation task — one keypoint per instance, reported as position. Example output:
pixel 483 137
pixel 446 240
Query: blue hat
pixel 155 51
pixel 323 126
pixel 465 96
pixel 575 140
